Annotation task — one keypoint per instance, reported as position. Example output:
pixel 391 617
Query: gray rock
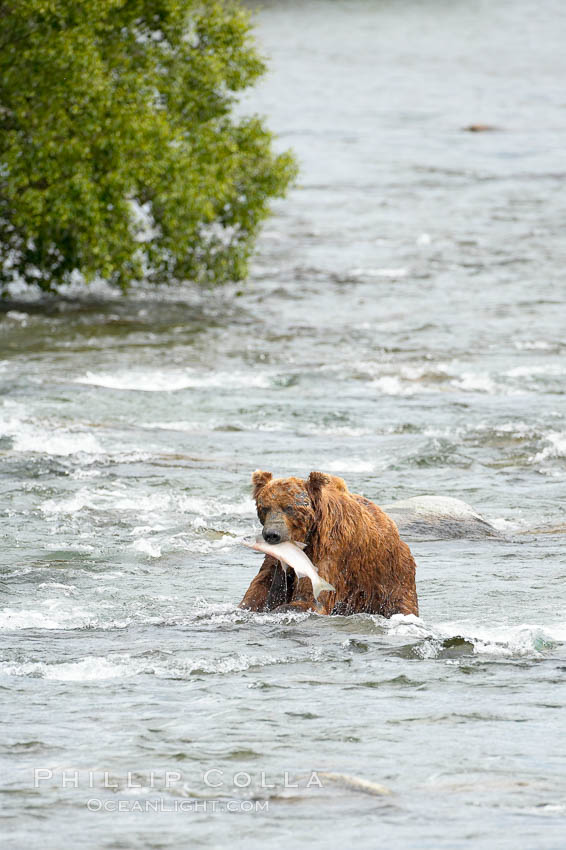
pixel 439 518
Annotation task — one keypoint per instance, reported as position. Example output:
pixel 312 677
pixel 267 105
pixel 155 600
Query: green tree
pixel 119 153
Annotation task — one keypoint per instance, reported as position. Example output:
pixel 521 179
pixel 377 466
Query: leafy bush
pixel 119 153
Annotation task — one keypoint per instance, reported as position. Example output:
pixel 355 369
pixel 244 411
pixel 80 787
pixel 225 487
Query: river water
pixel 404 327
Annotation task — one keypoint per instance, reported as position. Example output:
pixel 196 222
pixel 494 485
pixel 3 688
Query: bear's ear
pixel 259 480
pixel 317 480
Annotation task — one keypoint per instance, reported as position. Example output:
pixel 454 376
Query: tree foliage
pixel 120 156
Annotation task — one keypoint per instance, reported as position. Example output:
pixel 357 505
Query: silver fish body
pixel 289 554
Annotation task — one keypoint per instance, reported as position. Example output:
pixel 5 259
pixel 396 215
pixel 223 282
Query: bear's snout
pixel 275 528
pixel 271 536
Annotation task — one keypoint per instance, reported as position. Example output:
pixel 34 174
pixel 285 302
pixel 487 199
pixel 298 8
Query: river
pixel 403 327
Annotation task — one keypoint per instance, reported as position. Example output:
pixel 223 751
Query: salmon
pixel 290 554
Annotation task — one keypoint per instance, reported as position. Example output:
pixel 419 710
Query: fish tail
pixel 321 585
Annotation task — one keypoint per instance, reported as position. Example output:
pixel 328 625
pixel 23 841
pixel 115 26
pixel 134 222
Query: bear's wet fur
pixel 353 543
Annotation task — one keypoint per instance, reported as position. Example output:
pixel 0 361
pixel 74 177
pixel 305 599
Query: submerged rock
pixel 479 128
pixel 439 518
pixel 355 783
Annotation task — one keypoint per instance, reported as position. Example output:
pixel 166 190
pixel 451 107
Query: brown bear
pixel 353 543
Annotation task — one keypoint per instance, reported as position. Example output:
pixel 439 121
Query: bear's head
pixel 288 508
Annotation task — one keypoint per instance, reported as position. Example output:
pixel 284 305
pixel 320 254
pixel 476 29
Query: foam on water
pixel 61 613
pixel 533 345
pixel 183 426
pixel 219 614
pixel 392 385
pixel 352 464
pixel 34 439
pixel 391 273
pixel 92 668
pixel 551 369
pixel 497 641
pixel 474 382
pixel 147 547
pixel 517 429
pixel 120 499
pixel 18 316
pixel 51 438
pixel 394 378
pixel 54 616
pixel 556 447
pixel 87 670
pixel 156 380
pixel 334 430
pixel 409 379
pixel 508 526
